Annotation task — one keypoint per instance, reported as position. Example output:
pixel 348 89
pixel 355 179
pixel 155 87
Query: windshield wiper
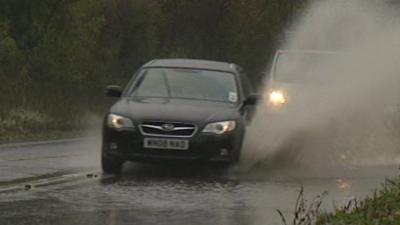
pixel 164 75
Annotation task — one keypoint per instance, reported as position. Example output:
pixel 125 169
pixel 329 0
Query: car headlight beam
pixel 220 127
pixel 277 98
pixel 118 122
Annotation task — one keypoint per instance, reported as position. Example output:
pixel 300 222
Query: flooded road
pixel 166 195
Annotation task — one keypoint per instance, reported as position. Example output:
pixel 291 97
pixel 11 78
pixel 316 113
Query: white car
pixel 298 74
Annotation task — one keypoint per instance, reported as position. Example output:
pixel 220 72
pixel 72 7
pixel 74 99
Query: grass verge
pixel 382 208
pixel 21 125
pixel 40 136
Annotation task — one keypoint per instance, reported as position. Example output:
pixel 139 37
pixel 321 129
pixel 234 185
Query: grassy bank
pixel 383 208
pixel 19 125
pixel 10 138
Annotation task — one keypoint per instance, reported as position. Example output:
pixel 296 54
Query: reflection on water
pixel 184 195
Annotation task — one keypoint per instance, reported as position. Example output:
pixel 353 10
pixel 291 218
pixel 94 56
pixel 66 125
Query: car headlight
pixel 220 127
pixel 277 98
pixel 116 121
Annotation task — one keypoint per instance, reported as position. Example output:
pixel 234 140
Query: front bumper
pixel 128 145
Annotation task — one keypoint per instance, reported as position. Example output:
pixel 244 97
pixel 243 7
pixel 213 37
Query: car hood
pixel 174 110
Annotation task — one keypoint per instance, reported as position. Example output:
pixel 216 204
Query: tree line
pixel 57 55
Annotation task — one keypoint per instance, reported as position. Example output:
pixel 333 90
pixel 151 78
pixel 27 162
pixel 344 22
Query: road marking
pixel 48 181
pixel 44 157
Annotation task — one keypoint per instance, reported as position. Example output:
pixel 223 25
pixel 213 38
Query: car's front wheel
pixel 111 165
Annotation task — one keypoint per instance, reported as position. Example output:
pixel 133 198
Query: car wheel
pixel 237 152
pixel 111 165
pixel 236 157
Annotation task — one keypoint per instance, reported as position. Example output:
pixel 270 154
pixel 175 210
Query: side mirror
pixel 252 100
pixel 113 91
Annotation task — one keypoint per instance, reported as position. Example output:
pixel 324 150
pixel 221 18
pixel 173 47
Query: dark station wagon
pixel 178 110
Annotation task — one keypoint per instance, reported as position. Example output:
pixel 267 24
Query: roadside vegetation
pixel 56 56
pixel 381 208
pixel 20 124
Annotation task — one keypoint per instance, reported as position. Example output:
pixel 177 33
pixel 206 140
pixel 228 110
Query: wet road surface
pixel 162 194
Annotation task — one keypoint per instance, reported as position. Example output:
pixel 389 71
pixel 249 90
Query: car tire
pixel 236 157
pixel 238 149
pixel 111 165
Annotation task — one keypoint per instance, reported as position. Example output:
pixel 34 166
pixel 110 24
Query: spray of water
pixel 345 115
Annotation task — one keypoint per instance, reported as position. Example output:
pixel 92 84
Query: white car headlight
pixel 116 121
pixel 220 127
pixel 277 98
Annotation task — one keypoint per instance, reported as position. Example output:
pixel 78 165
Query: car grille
pixel 167 129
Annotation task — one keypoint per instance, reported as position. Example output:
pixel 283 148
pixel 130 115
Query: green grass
pixel 383 208
pixel 40 136
pixel 20 125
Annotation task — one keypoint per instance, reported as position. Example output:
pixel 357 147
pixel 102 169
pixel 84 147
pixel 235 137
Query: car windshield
pixel 186 84
pixel 304 67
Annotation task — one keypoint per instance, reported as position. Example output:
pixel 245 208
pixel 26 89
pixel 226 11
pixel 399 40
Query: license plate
pixel 159 143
